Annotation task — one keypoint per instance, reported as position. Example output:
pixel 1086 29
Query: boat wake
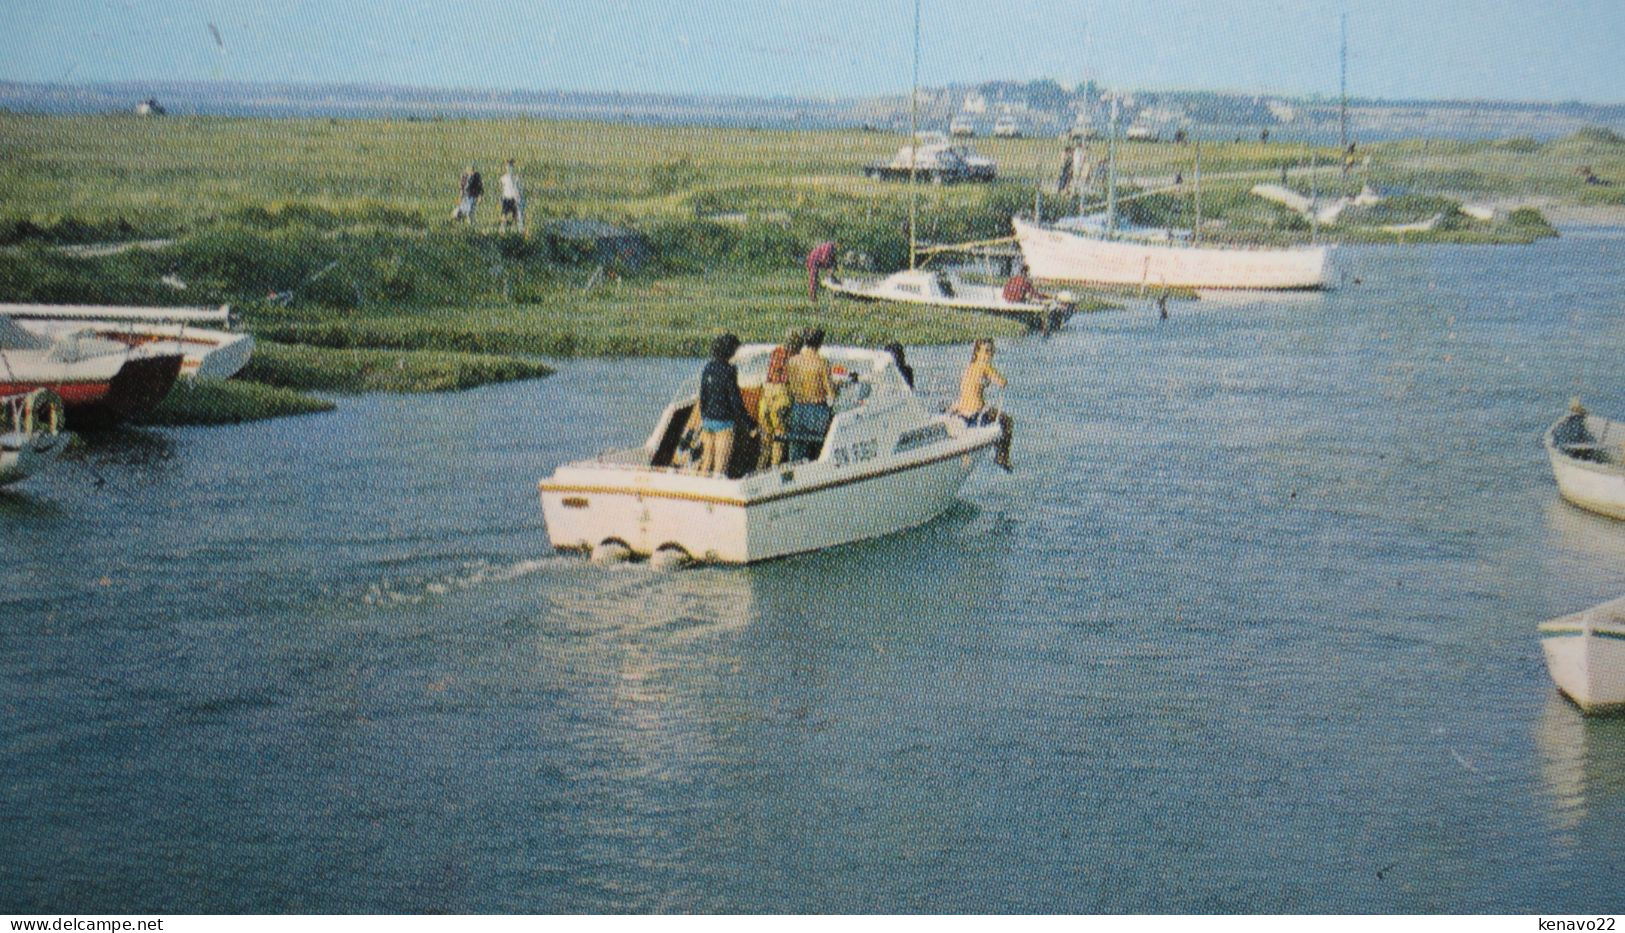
pixel 414 590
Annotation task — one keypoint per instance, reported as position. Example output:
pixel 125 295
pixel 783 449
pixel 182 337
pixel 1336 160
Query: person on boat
pixel 513 199
pixel 821 258
pixel 470 188
pixel 812 398
pixel 972 407
pixel 1020 288
pixel 722 407
pixel 775 404
pixel 903 369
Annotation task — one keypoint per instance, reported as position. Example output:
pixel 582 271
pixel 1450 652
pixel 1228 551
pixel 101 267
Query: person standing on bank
pixel 812 398
pixel 470 187
pixel 821 258
pixel 513 199
pixel 722 407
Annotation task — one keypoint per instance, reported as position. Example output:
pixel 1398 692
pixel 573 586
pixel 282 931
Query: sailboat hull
pixel 1060 256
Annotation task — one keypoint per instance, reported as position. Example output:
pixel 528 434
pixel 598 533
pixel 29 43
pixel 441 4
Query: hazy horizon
pixel 1422 50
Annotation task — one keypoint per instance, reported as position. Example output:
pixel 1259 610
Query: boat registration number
pixel 861 452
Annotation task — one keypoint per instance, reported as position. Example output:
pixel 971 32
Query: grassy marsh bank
pixel 333 239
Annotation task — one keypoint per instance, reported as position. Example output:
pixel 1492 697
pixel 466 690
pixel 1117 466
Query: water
pixel 1251 628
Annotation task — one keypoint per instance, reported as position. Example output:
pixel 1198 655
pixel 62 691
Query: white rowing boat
pixel 1587 454
pixel 1585 653
pixel 886 464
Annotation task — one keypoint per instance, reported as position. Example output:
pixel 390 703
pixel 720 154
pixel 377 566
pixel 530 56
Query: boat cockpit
pixel 865 381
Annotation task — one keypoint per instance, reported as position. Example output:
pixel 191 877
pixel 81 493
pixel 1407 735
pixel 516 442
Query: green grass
pixel 369 370
pixel 209 402
pixel 668 316
pixel 346 221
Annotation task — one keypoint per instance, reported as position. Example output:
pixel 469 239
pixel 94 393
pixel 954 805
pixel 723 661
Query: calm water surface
pixel 1251 628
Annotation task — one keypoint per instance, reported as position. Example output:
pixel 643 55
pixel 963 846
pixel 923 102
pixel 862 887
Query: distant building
pixel 150 108
pixel 975 103
pixel 1282 111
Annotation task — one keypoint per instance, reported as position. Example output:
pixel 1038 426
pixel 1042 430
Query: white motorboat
pixel 886 464
pixel 31 434
pixel 933 157
pixel 1058 255
pixel 945 289
pixel 206 353
pixel 1587 453
pixel 1585 653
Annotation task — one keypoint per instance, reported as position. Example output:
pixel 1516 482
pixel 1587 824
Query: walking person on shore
pixel 513 199
pixel 470 187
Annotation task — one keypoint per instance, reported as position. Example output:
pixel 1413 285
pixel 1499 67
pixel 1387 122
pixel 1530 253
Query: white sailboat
pixel 1057 253
pixel 945 289
pixel 941 288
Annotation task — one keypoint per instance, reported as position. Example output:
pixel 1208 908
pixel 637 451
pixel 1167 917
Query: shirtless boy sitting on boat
pixel 972 408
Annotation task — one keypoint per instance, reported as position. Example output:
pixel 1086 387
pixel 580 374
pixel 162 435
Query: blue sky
pixel 1511 49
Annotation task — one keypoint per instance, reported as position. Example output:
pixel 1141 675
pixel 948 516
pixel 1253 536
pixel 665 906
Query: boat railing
pixel 30 413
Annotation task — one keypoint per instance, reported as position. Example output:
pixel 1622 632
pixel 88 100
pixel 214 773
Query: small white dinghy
pixel 1587 453
pixel 887 463
pixel 1585 653
pixel 944 289
pixel 31 434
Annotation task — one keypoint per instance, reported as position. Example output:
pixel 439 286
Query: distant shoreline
pixel 1313 119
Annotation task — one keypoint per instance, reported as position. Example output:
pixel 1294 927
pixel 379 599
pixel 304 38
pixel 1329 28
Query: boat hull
pixel 1062 256
pixel 96 398
pixel 1585 654
pixel 1596 484
pixel 758 518
pixel 1595 490
pixel 205 354
pixel 983 299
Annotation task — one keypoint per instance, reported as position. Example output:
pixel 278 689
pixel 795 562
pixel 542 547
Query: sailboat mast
pixel 1111 172
pixel 1314 197
pixel 913 137
pixel 1343 87
pixel 1196 229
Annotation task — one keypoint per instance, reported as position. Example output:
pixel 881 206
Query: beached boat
pixel 1587 453
pixel 206 352
pixel 31 434
pixel 1585 653
pixel 100 381
pixel 1058 255
pixel 945 289
pixel 886 464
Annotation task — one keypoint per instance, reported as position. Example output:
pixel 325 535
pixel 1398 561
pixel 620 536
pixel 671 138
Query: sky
pixel 1547 50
